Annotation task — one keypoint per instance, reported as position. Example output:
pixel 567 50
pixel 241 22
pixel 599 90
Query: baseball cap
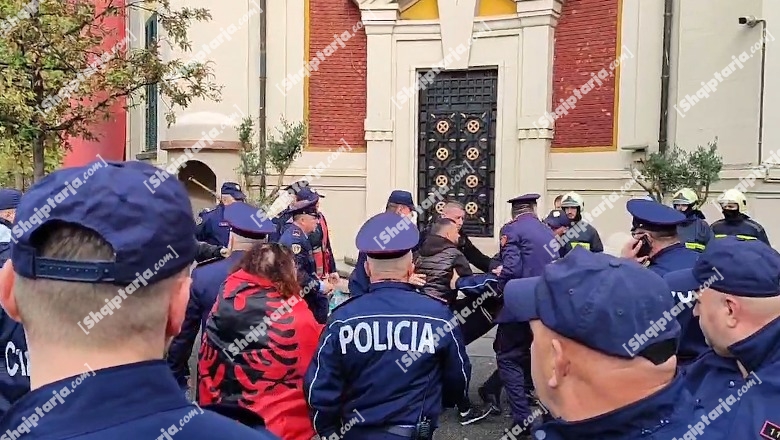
pixel 557 219
pixel 599 301
pixel 9 198
pixel 141 227
pixel 732 265
pixel 400 197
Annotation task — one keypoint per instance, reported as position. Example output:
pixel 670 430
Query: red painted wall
pixel 585 43
pixel 112 133
pixel 337 91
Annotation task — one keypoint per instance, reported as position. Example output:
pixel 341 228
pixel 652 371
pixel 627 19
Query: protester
pixel 98 308
pixel 259 341
pixel 437 259
pixel 15 375
pixel 584 311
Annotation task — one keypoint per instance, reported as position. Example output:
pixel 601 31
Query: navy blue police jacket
pixel 212 227
pixel 671 258
pixel 207 280
pixel 295 239
pixel 15 371
pixel 282 222
pixel 742 407
pixel 742 227
pixel 358 279
pixel 127 402
pixel 664 415
pixel 692 341
pixel 694 232
pixel 392 354
pixel 524 251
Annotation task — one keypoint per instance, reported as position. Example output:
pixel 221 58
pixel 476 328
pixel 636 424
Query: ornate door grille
pixel 457 145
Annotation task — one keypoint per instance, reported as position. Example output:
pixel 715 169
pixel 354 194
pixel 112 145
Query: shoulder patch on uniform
pixel 296 233
pixel 296 248
pixel 770 431
pixel 504 240
pixel 199 220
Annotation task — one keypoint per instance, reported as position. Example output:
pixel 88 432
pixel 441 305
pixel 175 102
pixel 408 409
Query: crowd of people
pixel 676 338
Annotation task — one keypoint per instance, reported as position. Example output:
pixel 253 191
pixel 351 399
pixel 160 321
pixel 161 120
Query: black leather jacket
pixel 207 251
pixel 436 259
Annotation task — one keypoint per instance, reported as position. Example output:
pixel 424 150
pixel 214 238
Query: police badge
pixel 198 220
pixel 296 248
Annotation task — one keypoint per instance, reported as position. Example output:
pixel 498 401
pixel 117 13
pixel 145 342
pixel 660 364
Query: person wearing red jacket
pixel 258 342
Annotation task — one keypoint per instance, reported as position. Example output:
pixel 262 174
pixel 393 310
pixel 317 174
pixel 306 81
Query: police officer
pixel 295 238
pixel 591 372
pixel 399 202
pixel 207 279
pixel 655 242
pixel 559 222
pixel 15 371
pixel 694 232
pixel 737 286
pixel 588 237
pixel 392 356
pixel 9 200
pixel 98 306
pixel 523 255
pixel 735 220
pixel 320 239
pixel 212 227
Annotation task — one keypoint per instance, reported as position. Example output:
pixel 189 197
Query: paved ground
pixel 483 363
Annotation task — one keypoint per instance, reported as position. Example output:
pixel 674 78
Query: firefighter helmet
pixel 733 196
pixel 685 196
pixel 572 200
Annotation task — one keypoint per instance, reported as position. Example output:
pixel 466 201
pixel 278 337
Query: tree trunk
pixel 38 157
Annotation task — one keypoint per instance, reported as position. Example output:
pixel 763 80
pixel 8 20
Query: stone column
pixel 535 94
pixel 379 18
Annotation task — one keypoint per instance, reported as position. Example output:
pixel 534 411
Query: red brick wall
pixel 585 43
pixel 337 91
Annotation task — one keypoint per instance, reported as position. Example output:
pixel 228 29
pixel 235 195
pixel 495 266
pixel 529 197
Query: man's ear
pixel 560 364
pixel 7 298
pixel 177 307
pixel 367 267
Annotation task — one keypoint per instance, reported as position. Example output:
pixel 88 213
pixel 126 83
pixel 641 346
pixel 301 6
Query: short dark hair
pixel 441 225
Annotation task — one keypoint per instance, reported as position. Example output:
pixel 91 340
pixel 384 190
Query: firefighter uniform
pixel 587 237
pixel 735 220
pixel 694 232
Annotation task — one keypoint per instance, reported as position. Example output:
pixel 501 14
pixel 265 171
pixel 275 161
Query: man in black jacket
pixel 437 258
pixel 455 212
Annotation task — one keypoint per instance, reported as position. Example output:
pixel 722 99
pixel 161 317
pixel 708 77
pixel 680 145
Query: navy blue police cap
pixel 557 219
pixel 302 207
pixel 400 197
pixel 731 265
pixel 142 227
pixel 525 199
pixel 232 189
pixel 653 216
pixel 600 301
pixel 9 198
pixel 243 221
pixel 296 187
pixel 308 194
pixel 387 235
